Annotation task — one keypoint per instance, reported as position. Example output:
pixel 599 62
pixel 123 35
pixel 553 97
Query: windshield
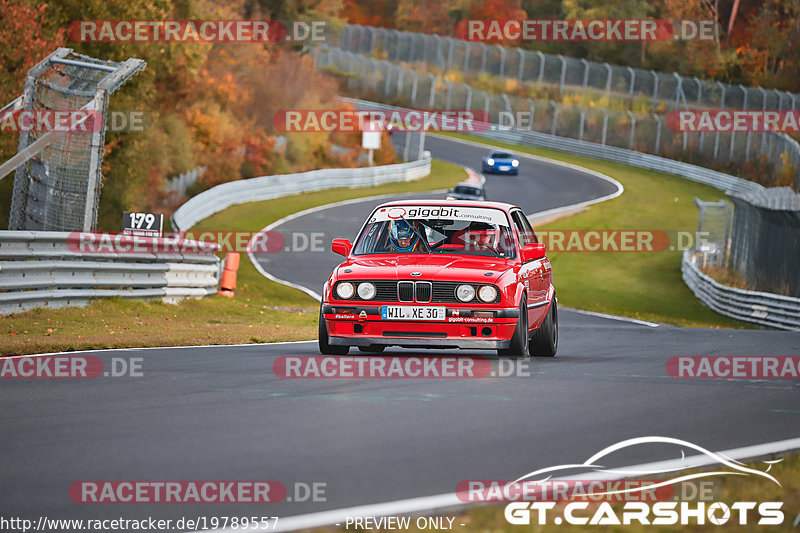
pixel 502 155
pixel 472 191
pixel 437 230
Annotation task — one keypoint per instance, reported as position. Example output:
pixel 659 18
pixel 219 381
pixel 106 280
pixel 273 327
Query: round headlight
pixel 366 291
pixel 345 290
pixel 515 163
pixel 490 161
pixel 487 293
pixel 465 293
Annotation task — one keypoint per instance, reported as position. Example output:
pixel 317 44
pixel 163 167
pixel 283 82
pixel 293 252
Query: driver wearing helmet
pixel 403 237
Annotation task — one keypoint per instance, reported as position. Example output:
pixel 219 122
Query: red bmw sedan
pixel 434 274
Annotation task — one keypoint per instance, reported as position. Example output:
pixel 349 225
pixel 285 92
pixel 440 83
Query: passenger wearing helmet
pixel 403 237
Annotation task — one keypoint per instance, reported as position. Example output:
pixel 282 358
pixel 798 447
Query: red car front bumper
pixel 363 326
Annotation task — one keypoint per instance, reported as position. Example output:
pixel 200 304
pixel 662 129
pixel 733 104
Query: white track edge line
pixel 615 317
pixel 141 348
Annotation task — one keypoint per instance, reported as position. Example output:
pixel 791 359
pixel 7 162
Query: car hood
pixel 432 267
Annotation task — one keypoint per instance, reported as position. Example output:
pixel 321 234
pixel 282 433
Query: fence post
pixel 468 105
pixel 502 61
pixel 541 65
pixel 633 129
pixel 484 52
pixel 414 88
pixel 400 81
pixel 533 110
pixel 449 90
pixel 467 50
pixel 580 126
pixel 699 91
pixel 633 78
pixel 605 126
pixel 451 43
pixel 585 72
pixel 555 117
pixel 521 53
pixel 563 74
pixel 608 77
pixel 655 86
pixel 432 94
pixel 658 133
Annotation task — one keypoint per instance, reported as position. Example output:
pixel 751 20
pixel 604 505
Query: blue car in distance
pixel 498 162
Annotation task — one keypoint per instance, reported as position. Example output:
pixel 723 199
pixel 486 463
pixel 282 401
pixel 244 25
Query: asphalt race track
pixel 220 413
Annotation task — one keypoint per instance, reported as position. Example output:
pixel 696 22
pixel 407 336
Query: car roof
pixel 450 203
pixel 501 152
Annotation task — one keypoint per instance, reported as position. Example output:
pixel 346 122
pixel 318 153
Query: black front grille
pixel 439 292
pixel 424 291
pixel 405 291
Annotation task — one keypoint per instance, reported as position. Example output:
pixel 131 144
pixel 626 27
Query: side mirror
pixel 341 246
pixel 532 252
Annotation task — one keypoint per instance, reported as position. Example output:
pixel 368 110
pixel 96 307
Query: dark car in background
pixel 500 162
pixel 467 191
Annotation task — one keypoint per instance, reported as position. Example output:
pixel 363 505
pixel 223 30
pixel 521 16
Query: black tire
pixel 324 347
pixel 372 348
pixel 519 348
pixel 544 341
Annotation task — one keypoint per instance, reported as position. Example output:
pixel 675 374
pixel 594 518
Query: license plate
pixel 504 167
pixel 408 312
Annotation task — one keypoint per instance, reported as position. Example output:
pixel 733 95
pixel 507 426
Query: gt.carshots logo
pixel 327 120
pixel 648 508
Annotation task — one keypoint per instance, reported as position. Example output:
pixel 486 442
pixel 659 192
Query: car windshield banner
pixel 477 214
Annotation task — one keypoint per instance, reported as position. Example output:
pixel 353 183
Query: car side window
pixel 524 230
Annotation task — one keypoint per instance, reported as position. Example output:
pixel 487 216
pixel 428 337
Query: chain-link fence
pixel 57 186
pixel 765 245
pixel 565 73
pixel 391 83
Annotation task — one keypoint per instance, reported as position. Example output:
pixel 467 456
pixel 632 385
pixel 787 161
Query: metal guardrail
pixel 269 187
pixel 763 308
pixel 720 180
pixel 44 269
pixel 647 133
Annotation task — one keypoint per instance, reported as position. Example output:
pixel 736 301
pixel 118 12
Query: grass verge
pixel 646 286
pixel 256 314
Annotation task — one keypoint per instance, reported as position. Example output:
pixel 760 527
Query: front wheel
pixel 519 348
pixel 544 341
pixel 324 347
